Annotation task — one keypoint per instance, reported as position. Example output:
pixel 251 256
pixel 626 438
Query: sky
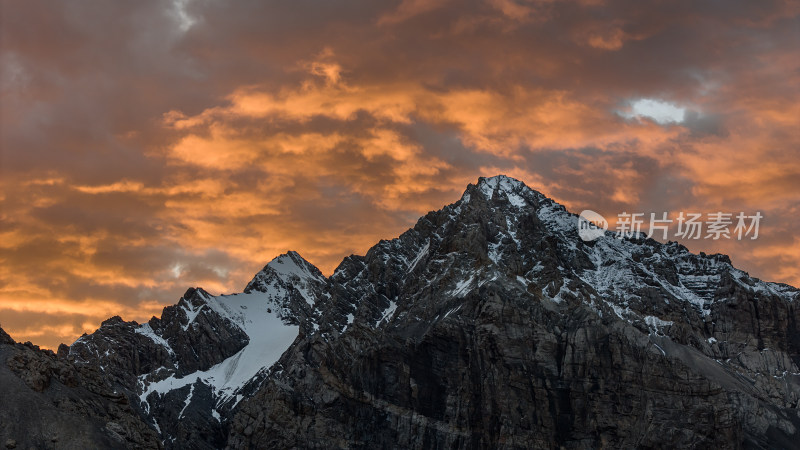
pixel 150 146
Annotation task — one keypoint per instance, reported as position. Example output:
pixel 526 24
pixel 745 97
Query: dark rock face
pixel 47 402
pixel 490 324
pixel 469 383
pixel 189 337
pixel 133 350
pixel 186 371
pixel 5 338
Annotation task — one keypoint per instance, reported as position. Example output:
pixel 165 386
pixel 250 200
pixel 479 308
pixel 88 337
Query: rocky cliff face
pixel 187 371
pixel 490 324
pixel 48 402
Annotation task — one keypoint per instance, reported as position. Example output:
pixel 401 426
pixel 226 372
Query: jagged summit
pixel 289 266
pixel 503 184
pixel 288 271
pixel 513 190
pixel 493 296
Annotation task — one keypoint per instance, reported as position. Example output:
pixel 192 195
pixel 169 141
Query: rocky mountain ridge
pixel 49 402
pixel 489 324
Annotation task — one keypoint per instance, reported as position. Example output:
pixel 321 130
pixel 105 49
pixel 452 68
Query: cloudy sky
pixel 150 146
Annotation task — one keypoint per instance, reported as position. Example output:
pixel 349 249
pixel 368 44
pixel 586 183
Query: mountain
pixel 189 369
pixel 49 402
pixel 490 324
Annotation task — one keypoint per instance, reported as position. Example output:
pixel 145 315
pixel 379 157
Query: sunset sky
pixel 150 146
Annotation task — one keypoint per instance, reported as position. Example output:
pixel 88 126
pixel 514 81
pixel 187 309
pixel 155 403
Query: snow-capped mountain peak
pixel 288 271
pixel 501 183
pixel 504 253
pixel 268 336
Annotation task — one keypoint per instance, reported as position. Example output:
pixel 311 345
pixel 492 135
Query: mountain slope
pixel 488 324
pixel 491 324
pixel 46 402
pixel 186 370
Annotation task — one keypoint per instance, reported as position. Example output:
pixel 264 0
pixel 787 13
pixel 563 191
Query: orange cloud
pixel 138 161
pixel 408 9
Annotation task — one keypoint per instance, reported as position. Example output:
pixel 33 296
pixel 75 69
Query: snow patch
pixel 503 184
pixel 389 313
pixel 420 255
pixel 655 324
pixel 452 310
pixel 191 313
pixel 269 338
pixel 495 252
pixel 147 330
pixel 462 287
pixel 188 401
pixel 563 289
